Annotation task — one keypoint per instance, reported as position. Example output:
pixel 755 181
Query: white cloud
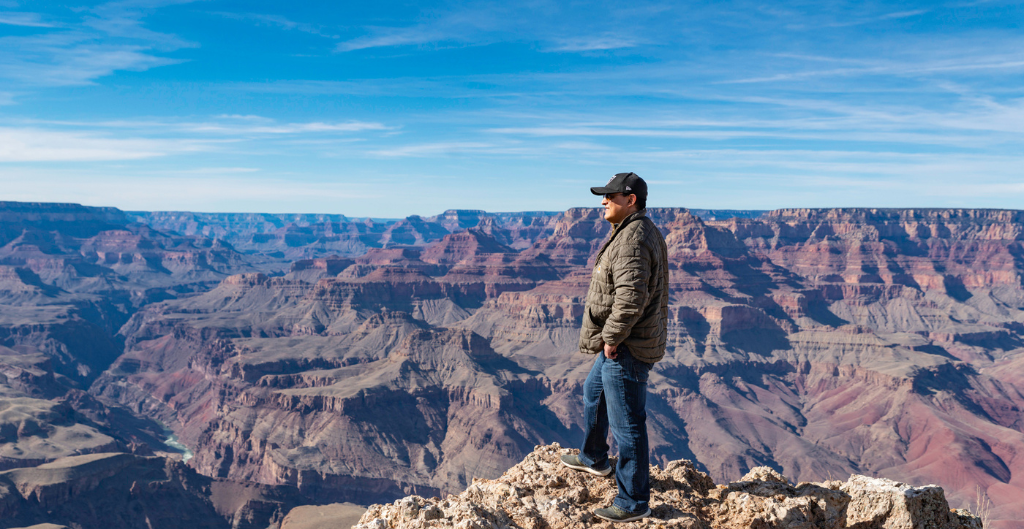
pixel 217 170
pixel 108 38
pixel 433 149
pixel 32 20
pixel 228 125
pixel 386 37
pixel 281 22
pixel 737 134
pixel 595 43
pixel 71 59
pixel 40 141
pixel 871 20
pixel 894 68
pixel 581 146
pixel 555 131
pixel 481 25
pixel 285 128
pixel 183 190
pixel 246 117
pixel 37 145
pixel 904 14
pixel 124 19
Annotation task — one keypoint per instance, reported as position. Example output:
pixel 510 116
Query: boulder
pixel 877 503
pixel 764 498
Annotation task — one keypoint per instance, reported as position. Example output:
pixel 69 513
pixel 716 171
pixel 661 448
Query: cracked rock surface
pixel 540 493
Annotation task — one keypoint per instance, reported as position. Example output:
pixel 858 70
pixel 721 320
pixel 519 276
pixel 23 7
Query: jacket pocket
pixel 590 334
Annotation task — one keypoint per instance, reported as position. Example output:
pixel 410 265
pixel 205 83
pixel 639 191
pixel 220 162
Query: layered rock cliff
pixel 820 342
pixel 128 491
pixel 365 360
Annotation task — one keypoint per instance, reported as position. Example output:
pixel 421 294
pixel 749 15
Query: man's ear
pixel 631 201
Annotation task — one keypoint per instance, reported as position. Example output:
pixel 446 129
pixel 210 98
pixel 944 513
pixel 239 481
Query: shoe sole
pixel 593 471
pixel 640 516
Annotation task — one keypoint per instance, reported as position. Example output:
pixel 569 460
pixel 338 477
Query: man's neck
pixel 615 225
pixel 624 217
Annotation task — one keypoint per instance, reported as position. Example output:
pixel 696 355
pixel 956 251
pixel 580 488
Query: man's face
pixel 618 206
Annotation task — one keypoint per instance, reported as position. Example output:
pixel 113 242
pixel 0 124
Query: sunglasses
pixel 613 196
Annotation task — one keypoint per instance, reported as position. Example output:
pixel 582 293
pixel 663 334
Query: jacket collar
pixel 629 218
pixel 616 228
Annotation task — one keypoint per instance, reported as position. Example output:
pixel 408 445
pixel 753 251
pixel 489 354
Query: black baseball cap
pixel 625 183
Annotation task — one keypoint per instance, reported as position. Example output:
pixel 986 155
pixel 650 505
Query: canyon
pixel 320 359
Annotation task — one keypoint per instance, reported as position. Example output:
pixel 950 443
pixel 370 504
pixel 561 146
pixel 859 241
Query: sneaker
pixel 573 461
pixel 615 514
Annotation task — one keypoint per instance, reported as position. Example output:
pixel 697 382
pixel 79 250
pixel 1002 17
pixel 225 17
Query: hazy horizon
pixel 511 212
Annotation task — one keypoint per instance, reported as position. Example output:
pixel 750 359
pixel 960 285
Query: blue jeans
pixel 615 394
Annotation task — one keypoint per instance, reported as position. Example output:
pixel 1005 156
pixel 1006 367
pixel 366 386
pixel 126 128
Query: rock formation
pixel 541 493
pixel 128 491
pixel 363 360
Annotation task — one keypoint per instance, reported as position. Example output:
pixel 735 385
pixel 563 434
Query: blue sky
pixel 389 109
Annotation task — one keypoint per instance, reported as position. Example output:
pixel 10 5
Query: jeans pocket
pixel 638 370
pixel 643 371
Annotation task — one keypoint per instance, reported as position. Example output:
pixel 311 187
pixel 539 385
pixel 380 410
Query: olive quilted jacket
pixel 627 302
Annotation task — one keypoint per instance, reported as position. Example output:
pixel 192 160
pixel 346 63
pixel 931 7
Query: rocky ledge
pixel 540 493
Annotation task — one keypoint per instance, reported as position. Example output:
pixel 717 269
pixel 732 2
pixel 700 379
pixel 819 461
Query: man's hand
pixel 611 352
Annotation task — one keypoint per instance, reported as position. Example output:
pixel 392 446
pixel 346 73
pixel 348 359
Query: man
pixel 624 325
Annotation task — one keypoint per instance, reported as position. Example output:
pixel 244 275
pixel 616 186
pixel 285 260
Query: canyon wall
pixel 377 359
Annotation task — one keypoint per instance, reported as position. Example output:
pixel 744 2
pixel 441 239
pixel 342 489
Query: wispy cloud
pixel 62 141
pixel 505 23
pixel 125 19
pixel 434 149
pixel 60 60
pixel 107 38
pixel 37 145
pixel 386 37
pixel 281 22
pixel 596 43
pixel 286 128
pixel 81 65
pixel 17 18
pixel 582 146
pixel 892 69
pixel 482 24
pixel 860 21
pixel 217 170
pixel 904 14
pixel 225 125
pixel 180 190
pixel 724 135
